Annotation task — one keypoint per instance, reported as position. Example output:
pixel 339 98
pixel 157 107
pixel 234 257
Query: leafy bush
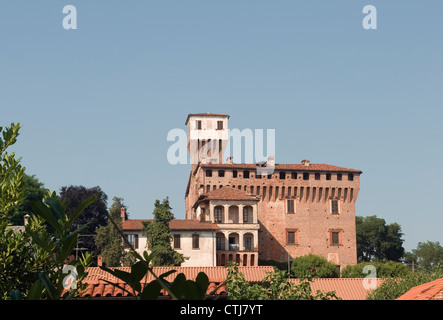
pixel 313 266
pixel 275 286
pixel 392 288
pixel 390 269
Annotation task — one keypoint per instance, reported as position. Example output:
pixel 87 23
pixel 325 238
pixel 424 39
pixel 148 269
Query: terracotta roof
pixel 428 291
pixel 345 288
pixel 96 287
pixel 205 114
pixel 293 167
pixel 227 193
pixel 176 224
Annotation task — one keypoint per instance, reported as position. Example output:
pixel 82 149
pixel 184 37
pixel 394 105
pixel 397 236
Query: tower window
pixel 198 124
pixel 293 175
pixel 282 175
pixel 291 207
pixel 350 177
pixel 246 174
pixel 305 176
pixel 339 176
pixel 335 237
pixel 209 173
pixel 234 173
pixel 328 176
pixel 221 173
pixel 317 176
pixel 219 125
pixel 291 237
pixel 334 207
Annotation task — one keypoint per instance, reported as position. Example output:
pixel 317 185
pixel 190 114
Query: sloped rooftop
pixel 428 291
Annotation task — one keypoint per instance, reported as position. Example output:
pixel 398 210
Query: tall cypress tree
pixel 108 241
pixel 159 236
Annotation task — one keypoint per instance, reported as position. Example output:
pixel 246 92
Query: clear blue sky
pixel 96 103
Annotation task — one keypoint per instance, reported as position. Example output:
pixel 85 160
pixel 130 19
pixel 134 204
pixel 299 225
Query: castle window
pixel 209 173
pixel 335 237
pixel 219 125
pixel 328 176
pixel 234 173
pixel 195 241
pixel 293 175
pixel 176 241
pixel 221 173
pixel 317 176
pixel 246 174
pixel 350 177
pixel 339 176
pixel 282 175
pixel 305 176
pixel 198 124
pixel 290 206
pixel 291 237
pixel 334 207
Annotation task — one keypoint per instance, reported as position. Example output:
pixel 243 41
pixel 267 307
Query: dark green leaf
pixel 138 271
pixel 122 275
pixel 16 295
pixel 151 291
pixel 203 282
pixel 36 290
pixel 178 285
pixel 39 208
pixel 56 208
pixel 192 290
pixel 68 246
pixel 45 246
pixel 50 288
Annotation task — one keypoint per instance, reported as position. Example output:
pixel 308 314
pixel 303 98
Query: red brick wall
pixel 312 222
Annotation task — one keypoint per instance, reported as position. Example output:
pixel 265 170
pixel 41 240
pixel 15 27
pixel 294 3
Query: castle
pixel 246 212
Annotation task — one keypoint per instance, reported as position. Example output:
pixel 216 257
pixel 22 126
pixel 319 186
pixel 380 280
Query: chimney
pixel 99 261
pixel 229 160
pixel 305 163
pixel 123 213
pixel 26 217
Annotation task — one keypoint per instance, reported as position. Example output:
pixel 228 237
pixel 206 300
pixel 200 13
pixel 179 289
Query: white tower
pixel 208 136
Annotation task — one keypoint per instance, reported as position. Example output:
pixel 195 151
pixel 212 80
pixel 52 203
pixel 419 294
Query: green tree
pixel 62 277
pixel 94 216
pixel 313 266
pixel 426 256
pixel 159 236
pixel 275 286
pixel 378 241
pixel 390 269
pixel 108 240
pixel 11 172
pixel 34 190
pixel 20 258
pixel 392 288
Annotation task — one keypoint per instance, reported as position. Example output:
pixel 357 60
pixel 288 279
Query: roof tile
pixel 428 291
